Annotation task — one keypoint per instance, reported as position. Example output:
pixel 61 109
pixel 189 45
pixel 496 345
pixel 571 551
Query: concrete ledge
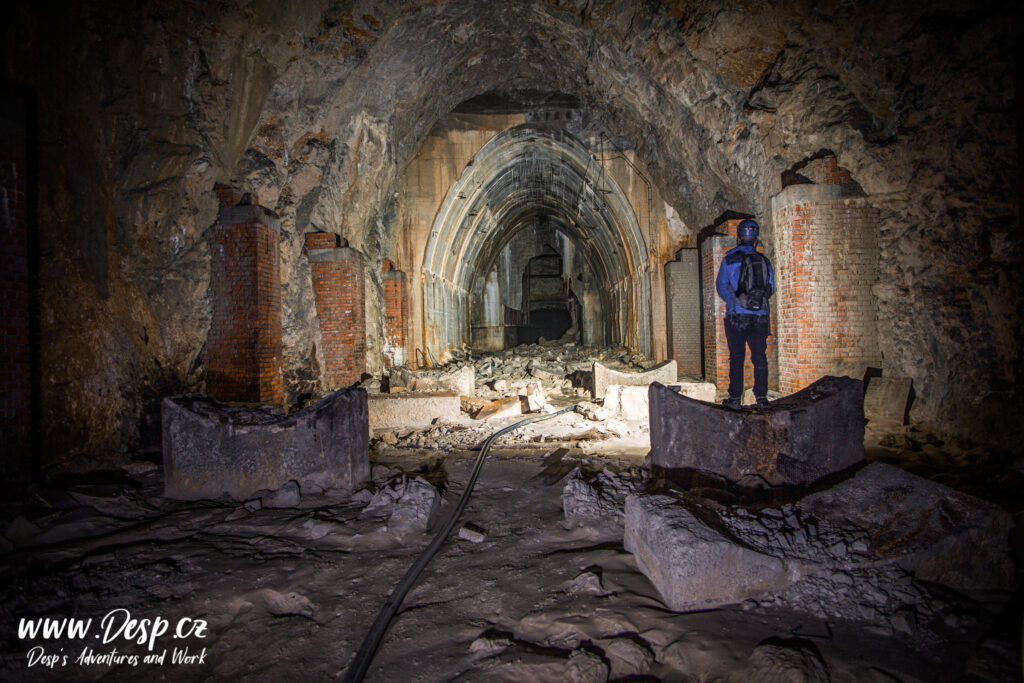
pixel 666 373
pixel 389 411
pixel 210 448
pixel 797 440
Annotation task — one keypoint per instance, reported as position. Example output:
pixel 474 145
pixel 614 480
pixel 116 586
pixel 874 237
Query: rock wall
pixel 317 108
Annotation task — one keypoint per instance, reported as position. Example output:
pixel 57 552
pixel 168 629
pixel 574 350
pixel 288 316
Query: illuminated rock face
pixel 359 123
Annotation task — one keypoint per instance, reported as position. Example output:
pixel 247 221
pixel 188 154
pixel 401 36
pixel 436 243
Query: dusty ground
pixel 290 593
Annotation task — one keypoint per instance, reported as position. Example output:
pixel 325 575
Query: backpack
pixel 754 286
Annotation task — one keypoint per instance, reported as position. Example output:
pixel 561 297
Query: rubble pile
pixel 871 549
pixel 599 496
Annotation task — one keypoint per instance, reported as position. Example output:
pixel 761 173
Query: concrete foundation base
pixel 798 439
pixel 211 449
pixel 388 411
pixel 666 373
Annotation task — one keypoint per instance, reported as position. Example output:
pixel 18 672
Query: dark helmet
pixel 747 230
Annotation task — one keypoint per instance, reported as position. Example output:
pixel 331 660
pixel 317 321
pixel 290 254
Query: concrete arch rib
pixel 525 171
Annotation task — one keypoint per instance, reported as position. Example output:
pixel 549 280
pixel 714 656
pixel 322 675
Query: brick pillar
pixel 826 244
pixel 395 315
pixel 340 305
pixel 682 301
pixel 243 352
pixel 716 348
pixel 15 360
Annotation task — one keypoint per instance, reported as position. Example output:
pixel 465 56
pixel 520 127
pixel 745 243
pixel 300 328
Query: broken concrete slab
pixel 938 533
pixel 692 565
pixel 631 402
pixel 460 380
pixel 592 411
pixel 389 411
pixel 604 377
pixel 797 440
pixel 415 507
pixel 503 407
pixel 211 449
pixel 886 398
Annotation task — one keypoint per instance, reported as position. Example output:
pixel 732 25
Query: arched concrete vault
pixel 524 173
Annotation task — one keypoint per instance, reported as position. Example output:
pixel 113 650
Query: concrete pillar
pixel 340 294
pixel 826 246
pixel 395 314
pixel 243 352
pixel 682 299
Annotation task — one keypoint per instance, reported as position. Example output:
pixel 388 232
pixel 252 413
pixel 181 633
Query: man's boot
pixel 731 402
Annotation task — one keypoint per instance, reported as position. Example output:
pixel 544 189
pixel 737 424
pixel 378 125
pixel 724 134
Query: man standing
pixel 745 282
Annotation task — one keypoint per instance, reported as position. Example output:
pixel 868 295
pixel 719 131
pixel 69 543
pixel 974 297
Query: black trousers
pixel 742 330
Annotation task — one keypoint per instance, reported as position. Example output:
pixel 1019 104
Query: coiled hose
pixel 361 662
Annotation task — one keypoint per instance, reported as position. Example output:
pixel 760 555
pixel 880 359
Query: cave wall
pixel 318 107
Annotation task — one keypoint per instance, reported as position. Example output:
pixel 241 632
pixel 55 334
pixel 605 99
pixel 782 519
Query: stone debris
pixel 407 504
pixel 600 496
pixel 587 582
pixel 501 408
pixel 288 496
pixel 471 406
pixel 460 380
pixel 592 411
pixel 472 533
pixel 856 552
pixel 534 398
pixel 627 656
pixel 931 530
pixel 795 659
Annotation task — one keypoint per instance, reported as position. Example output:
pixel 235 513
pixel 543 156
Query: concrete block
pixel 885 399
pixel 409 409
pixel 938 533
pixel 533 398
pixel 631 402
pixel 605 377
pixel 693 566
pixel 461 380
pixel 798 439
pixel 210 449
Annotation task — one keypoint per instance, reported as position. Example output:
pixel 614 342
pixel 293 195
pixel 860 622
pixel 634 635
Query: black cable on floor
pixel 361 662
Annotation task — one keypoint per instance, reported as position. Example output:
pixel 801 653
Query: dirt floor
pixel 261 594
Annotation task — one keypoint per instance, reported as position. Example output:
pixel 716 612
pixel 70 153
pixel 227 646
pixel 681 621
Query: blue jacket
pixel 729 278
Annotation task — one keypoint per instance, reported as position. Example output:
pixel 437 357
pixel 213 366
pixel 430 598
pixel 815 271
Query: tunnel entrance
pixel 535 240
